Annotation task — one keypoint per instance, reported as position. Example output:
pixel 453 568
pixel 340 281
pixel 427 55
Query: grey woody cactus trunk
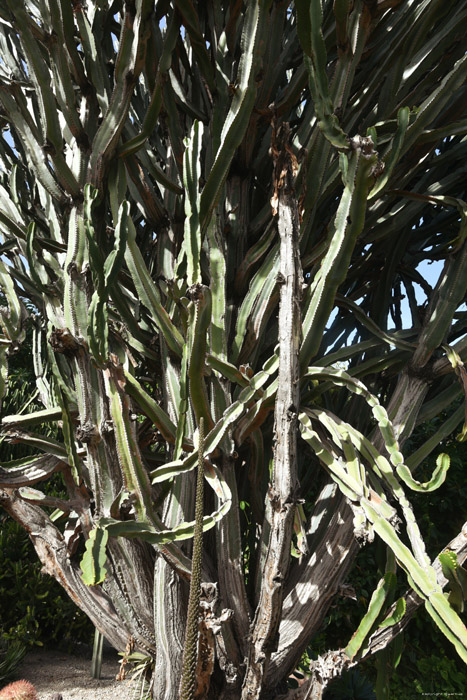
pixel 210 213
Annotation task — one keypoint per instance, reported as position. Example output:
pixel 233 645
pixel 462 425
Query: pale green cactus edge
pixel 420 573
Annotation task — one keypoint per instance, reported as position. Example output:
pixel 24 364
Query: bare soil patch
pixel 52 671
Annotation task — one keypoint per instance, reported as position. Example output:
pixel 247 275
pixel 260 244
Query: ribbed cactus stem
pixel 190 653
pixel 19 690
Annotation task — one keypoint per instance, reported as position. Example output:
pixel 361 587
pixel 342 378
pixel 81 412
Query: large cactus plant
pixel 211 213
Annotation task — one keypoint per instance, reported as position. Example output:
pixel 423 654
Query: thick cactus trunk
pixel 215 212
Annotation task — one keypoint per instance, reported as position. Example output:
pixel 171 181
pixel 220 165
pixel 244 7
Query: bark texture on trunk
pixel 283 491
pixel 52 551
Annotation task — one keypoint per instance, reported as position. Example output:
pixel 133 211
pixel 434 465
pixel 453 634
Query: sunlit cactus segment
pixel 198 201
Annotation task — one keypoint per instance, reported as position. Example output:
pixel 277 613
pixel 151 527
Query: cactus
pixel 19 690
pixel 198 201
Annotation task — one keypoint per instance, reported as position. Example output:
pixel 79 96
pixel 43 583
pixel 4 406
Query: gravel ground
pixel 53 672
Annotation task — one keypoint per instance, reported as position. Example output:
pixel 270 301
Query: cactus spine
pixel 19 690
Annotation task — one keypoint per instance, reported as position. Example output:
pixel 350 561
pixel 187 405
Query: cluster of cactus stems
pixel 208 214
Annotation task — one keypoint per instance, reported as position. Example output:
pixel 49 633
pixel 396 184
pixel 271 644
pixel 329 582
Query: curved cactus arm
pixel 148 293
pixel 310 35
pixel 155 104
pixel 385 586
pixel 200 319
pixel 134 473
pixel 461 373
pixel 149 532
pixel 238 117
pixel 437 479
pixel 159 536
pixel 435 440
pixel 356 172
pixel 93 562
pixel 393 155
pixel 40 76
pixel 229 417
pixel 341 378
pixel 128 65
pixel 150 407
pixel 28 470
pixel 265 276
pixel 423 580
pixel 457 577
pixel 106 275
pixel 385 471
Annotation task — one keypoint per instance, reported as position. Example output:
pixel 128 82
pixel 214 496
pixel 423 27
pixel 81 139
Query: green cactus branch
pixel 246 219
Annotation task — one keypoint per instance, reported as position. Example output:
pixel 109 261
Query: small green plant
pixel 436 675
pixel 141 673
pixel 10 657
pixel 19 690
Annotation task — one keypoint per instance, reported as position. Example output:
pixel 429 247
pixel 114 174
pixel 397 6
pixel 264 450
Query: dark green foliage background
pixel 34 608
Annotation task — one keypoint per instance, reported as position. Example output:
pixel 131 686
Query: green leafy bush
pixel 34 609
pixel 11 655
pixel 437 676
